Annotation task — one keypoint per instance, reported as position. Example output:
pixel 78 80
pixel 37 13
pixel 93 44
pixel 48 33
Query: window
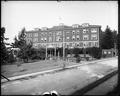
pixel 77 31
pixel 89 44
pixel 93 30
pixel 86 44
pixel 42 34
pixel 67 32
pixel 77 44
pixel 50 33
pixel 73 44
pixel 93 37
pixel 68 38
pixel 29 40
pixel 73 32
pixel 59 33
pixel 85 24
pixel 58 38
pixel 78 37
pixel 75 25
pixel 105 52
pixel 85 37
pixel 96 44
pixel 92 44
pixel 67 45
pixel 81 44
pixel 73 37
pixel 41 39
pixel 29 35
pixel 35 34
pixel 45 39
pixel 85 30
pixel 50 39
pixel 109 52
pixel 35 39
pixel 35 45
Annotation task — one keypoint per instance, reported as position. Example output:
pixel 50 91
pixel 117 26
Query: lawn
pixel 26 68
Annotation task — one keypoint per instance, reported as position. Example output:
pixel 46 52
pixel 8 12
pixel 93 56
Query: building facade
pixel 75 36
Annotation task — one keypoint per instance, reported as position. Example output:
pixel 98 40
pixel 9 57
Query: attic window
pixel 75 25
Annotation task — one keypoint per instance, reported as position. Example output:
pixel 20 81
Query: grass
pixel 31 67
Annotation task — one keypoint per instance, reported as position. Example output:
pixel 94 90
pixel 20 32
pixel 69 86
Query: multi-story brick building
pixel 78 36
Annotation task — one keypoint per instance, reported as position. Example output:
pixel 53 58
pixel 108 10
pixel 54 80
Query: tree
pixel 76 52
pixel 107 39
pixel 115 36
pixel 95 52
pixel 25 49
pixel 15 44
pixel 4 53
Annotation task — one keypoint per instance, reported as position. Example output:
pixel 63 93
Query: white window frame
pixel 73 37
pixel 45 38
pixel 85 30
pixel 77 31
pixel 50 33
pixel 93 30
pixel 85 36
pixel 59 33
pixel 73 31
pixel 35 39
pixel 67 32
pixel 96 44
pixel 67 38
pixel 58 38
pixel 35 45
pixel 29 40
pixel 50 39
pixel 78 37
pixel 105 52
pixel 41 39
pixel 35 34
pixel 94 37
pixel 109 52
pixel 29 34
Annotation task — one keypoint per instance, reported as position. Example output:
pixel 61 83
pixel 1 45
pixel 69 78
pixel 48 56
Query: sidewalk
pixel 54 67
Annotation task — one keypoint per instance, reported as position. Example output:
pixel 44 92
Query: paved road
pixel 65 82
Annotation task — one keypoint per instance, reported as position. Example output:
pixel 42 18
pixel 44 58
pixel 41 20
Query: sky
pixel 16 15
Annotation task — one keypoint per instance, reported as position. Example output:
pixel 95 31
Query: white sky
pixel 33 14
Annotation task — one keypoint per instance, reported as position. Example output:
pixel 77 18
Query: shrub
pixel 11 58
pixel 78 59
pixel 95 52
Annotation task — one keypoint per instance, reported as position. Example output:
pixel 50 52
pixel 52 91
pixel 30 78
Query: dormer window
pixel 44 28
pixel 85 24
pixel 75 25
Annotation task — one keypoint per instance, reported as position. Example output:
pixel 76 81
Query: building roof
pixel 64 27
